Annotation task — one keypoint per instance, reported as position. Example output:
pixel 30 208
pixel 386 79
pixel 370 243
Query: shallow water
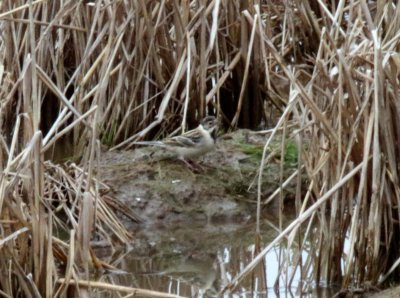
pixel 198 260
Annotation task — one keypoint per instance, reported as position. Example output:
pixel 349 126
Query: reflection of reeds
pixel 74 72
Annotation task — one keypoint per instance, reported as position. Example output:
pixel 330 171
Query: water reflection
pixel 198 260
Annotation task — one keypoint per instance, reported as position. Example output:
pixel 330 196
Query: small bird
pixel 192 143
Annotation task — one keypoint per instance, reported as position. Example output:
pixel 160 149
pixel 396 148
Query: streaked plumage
pixel 192 143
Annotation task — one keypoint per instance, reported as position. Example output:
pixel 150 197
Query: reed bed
pixel 77 74
pixel 344 99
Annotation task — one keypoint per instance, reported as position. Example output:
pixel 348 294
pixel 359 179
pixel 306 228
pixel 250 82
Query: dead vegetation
pixel 75 74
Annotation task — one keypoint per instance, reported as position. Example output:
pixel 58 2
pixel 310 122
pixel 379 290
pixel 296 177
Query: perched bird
pixel 192 143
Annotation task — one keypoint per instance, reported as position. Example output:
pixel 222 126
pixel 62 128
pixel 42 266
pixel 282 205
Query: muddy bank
pixel 160 189
pixel 388 293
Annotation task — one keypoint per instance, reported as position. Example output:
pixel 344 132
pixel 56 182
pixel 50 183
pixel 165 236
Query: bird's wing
pixel 182 141
pixel 189 139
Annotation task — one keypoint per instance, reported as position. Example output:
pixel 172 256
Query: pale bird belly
pixel 193 152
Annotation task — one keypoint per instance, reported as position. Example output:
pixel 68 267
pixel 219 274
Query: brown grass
pixel 74 73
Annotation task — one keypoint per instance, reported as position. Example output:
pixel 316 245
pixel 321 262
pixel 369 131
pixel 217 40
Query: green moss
pixel 291 154
pixel 254 151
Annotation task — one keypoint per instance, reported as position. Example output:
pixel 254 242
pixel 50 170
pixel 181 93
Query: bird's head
pixel 210 123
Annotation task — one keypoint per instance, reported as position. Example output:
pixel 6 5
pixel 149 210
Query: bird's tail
pixel 149 143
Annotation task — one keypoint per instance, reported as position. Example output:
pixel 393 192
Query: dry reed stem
pixel 116 288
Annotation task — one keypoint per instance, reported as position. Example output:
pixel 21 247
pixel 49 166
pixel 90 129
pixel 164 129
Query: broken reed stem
pixel 116 288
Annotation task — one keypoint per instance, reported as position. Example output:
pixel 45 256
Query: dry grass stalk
pixel 115 288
